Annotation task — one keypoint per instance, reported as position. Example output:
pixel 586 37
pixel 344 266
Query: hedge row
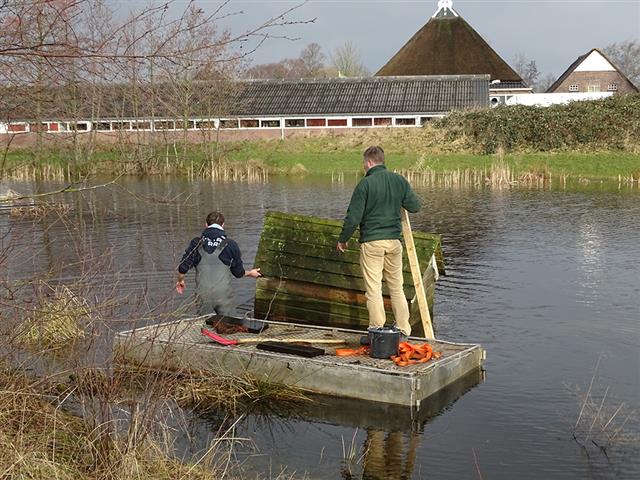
pixel 612 123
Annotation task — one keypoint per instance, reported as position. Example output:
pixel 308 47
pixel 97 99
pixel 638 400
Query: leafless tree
pixel 347 61
pixel 313 60
pixel 626 56
pixel 78 59
pixel 526 68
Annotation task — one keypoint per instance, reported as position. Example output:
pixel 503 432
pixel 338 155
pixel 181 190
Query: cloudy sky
pixel 553 33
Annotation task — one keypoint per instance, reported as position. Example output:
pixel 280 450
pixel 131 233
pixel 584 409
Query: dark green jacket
pixel 375 206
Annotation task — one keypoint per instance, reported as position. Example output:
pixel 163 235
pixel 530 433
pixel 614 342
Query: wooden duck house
pixel 306 281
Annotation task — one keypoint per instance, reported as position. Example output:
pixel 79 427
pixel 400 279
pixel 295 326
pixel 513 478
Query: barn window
pixel 231 123
pixel 249 123
pixel 316 122
pixel 17 127
pixel 102 126
pixel 574 88
pixel 382 121
pixel 205 124
pixel 424 120
pixel 164 125
pixel 79 126
pixel 406 121
pixel 121 125
pixel 337 122
pixel 270 123
pixel 294 122
pixel 361 122
pixel 38 127
pixel 141 125
pixel 612 87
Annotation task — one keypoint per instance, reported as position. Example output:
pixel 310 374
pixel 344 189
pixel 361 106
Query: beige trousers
pixel 378 259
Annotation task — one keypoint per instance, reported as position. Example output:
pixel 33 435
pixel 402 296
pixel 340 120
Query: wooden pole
pixel 421 296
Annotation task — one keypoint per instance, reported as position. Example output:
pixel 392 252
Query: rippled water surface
pixel 548 281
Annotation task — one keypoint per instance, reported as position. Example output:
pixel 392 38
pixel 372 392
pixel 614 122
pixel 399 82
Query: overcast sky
pixel 553 33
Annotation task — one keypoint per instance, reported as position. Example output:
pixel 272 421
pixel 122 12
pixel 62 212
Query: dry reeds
pixel 39 210
pixel 602 422
pixel 58 322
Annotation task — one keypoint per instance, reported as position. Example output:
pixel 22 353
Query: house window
pixel 316 122
pixel 405 121
pixel 361 122
pixel 229 123
pixel 294 122
pixel 574 88
pixel 270 123
pixel 249 123
pixel 382 121
pixel 612 87
pixel 337 122
pixel 593 88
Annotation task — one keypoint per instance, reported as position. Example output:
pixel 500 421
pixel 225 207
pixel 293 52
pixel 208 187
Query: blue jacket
pixel 210 239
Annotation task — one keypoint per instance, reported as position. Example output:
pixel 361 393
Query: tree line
pixel 346 60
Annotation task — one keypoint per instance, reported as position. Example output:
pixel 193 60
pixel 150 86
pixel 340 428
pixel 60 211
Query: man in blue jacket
pixel 375 207
pixel 217 259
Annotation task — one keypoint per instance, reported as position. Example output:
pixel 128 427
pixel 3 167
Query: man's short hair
pixel 375 154
pixel 215 217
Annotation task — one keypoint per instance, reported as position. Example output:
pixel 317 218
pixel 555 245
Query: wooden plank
pixel 287 313
pixel 340 280
pixel 270 247
pixel 322 235
pixel 322 292
pixel 417 277
pixel 271 267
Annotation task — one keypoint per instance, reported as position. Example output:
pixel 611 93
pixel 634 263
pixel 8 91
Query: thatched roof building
pixel 448 45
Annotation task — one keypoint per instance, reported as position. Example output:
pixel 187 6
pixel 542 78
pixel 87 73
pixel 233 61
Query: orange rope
pixel 411 354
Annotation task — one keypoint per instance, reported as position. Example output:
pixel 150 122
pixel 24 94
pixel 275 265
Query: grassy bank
pixel 330 154
pixel 594 139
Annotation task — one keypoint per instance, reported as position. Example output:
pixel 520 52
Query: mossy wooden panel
pixel 306 281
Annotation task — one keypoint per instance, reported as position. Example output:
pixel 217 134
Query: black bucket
pixel 384 342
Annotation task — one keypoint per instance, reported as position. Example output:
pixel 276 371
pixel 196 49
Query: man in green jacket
pixel 376 206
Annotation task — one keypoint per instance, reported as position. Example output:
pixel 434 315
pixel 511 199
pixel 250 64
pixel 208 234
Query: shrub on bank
pixel 609 124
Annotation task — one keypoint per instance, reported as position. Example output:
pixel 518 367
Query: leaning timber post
pixel 417 278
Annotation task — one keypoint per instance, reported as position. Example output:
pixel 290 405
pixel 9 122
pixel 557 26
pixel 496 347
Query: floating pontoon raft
pixel 308 291
pixel 179 344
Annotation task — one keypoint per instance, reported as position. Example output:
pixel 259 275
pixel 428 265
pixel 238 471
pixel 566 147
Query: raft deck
pixel 180 344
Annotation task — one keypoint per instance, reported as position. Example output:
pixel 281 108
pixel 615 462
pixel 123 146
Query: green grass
pixel 317 158
pixel 406 149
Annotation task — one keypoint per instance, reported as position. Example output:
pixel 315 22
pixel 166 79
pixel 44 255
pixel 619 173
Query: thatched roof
pixel 448 45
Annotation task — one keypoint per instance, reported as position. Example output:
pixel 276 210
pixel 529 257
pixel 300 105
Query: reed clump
pixel 40 210
pixel 204 391
pixel 603 423
pixel 58 322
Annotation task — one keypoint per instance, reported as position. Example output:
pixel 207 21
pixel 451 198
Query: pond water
pixel 547 280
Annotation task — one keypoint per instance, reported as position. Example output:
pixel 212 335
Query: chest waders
pixel 213 284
